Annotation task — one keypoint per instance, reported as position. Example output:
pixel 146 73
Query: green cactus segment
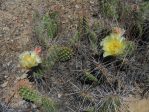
pixel 59 53
pixel 56 53
pixel 64 54
pixel 38 74
pixel 29 94
pixel 52 57
pixel 50 24
pixel 90 77
pixel 111 104
pixel 46 27
pixel 48 105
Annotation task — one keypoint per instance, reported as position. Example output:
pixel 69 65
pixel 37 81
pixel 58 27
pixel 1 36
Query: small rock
pixel 22 77
pixel 22 25
pixel 6 28
pixel 14 18
pixel 59 95
pixel 77 6
pixel 92 2
pixel 4 84
pixel 34 106
pixel 6 76
pixel 20 103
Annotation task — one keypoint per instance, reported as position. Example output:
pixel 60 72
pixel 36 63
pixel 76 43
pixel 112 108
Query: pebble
pixel 59 95
pixel 77 6
pixel 22 77
pixel 4 84
pixel 23 104
pixel 92 2
pixel 6 29
pixel 6 76
pixel 34 106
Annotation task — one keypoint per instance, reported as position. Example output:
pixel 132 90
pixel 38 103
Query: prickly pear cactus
pixel 64 54
pixel 48 105
pixel 29 94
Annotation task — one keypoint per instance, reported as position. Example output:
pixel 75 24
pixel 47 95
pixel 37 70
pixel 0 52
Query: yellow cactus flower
pixel 29 59
pixel 114 44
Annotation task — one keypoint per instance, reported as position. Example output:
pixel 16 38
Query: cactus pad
pixel 29 94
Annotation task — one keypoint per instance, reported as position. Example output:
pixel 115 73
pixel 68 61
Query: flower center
pixel 29 59
pixel 114 47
